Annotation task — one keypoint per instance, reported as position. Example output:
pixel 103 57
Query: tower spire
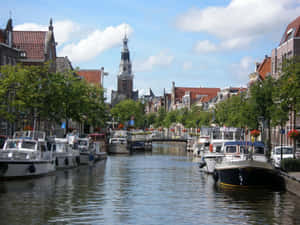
pixel 50 25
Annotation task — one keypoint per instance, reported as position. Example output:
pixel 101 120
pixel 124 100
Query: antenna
pixel 10 14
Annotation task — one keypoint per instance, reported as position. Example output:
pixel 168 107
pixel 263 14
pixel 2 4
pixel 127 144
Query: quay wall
pixel 292 182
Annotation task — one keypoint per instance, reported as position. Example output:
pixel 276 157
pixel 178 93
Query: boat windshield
pixel 82 143
pixel 15 144
pixel 285 150
pixel 231 149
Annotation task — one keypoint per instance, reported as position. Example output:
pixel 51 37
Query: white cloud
pixel 187 65
pixel 95 43
pixel 242 69
pixel 205 46
pixel 239 20
pixel 162 60
pixel 63 30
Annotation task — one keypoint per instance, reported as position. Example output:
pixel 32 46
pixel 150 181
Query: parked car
pixel 287 152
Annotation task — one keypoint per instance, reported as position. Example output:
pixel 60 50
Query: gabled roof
pixel 63 64
pixel 202 94
pixel 91 76
pixel 293 27
pixel 32 42
pixel 264 68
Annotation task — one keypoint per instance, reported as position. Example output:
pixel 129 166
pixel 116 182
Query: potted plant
pixel 294 134
pixel 254 133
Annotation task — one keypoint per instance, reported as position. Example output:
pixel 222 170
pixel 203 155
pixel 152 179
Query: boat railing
pixel 35 135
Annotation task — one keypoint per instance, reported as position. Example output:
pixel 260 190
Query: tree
pixel 288 92
pixel 126 109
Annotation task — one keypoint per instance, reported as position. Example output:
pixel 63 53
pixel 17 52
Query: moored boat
pixel 245 164
pixel 66 156
pixel 118 143
pixel 26 155
pixel 99 140
pixel 86 150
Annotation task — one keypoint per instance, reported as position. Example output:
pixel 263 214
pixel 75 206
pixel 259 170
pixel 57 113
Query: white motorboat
pixel 212 155
pixel 245 164
pixel 99 140
pixel 26 155
pixel 66 156
pixel 118 143
pixel 86 150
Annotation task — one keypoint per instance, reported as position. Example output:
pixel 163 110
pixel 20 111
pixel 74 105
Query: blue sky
pixel 195 43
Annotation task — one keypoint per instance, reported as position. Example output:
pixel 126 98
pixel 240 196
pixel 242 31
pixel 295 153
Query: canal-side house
pixel 94 77
pixel 289 46
pixel 38 47
pixel 27 48
pixel 185 97
pixel 9 55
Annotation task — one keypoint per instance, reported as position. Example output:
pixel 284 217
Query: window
pixel 231 149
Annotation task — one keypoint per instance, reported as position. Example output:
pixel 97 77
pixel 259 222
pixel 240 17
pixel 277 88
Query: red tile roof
pixel 195 93
pixel 91 76
pixel 32 42
pixel 294 24
pixel 264 68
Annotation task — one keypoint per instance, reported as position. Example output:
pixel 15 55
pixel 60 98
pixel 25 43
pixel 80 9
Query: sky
pixel 195 43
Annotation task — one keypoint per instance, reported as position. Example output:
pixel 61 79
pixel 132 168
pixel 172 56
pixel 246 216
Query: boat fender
pixel 3 168
pixel 202 164
pixel 31 168
pixel 215 176
pixel 56 161
pixel 66 161
pixel 78 160
pixel 211 147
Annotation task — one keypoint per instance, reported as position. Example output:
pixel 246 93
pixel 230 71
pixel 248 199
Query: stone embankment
pixel 292 182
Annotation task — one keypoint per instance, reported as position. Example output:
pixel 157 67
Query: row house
pixel 185 97
pixel 37 47
pixel 226 93
pixel 261 71
pixel 289 47
pixel 152 103
pixel 9 55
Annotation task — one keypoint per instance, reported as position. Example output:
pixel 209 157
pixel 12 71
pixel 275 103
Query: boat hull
pixel 23 169
pixel 86 158
pixel 211 161
pixel 248 175
pixel 118 149
pixel 67 162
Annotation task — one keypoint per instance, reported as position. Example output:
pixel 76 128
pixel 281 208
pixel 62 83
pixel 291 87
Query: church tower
pixel 125 77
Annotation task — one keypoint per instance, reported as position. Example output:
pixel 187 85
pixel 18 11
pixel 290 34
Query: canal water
pixel 162 187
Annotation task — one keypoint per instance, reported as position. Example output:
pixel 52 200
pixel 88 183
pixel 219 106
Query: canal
pixel 162 187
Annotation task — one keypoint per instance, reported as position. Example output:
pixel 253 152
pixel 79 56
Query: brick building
pixel 289 46
pixel 185 97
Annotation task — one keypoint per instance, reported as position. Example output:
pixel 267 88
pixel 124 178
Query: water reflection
pixel 162 187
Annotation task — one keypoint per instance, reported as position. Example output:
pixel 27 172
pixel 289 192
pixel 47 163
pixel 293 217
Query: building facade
pixel 289 47
pixel 125 78
pixel 185 97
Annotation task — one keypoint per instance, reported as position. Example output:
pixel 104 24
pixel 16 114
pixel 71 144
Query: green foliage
pixel 290 165
pixel 124 110
pixel 32 91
